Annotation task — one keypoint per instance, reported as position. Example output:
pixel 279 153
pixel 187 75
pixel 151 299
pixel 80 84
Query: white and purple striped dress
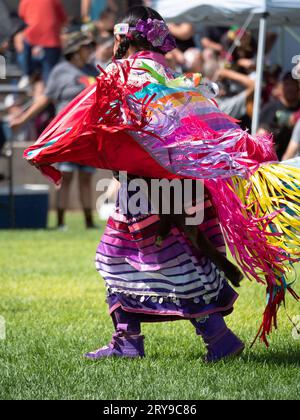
pixel 171 281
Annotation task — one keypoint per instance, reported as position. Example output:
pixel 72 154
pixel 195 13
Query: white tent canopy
pixel 228 12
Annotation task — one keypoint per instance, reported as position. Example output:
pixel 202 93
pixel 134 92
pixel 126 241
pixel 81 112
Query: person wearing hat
pixel 66 81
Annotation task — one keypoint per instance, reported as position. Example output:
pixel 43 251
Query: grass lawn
pixel 53 301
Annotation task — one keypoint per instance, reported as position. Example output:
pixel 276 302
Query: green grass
pixel 53 301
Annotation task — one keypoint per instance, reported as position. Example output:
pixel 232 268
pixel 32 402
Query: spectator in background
pixel 66 81
pixel 275 116
pixel 105 37
pixel 103 53
pixel 293 149
pixel 236 105
pixel 92 9
pixel 271 79
pixel 235 88
pixel 44 118
pixel 5 24
pixel 233 104
pixel 105 24
pixel 186 55
pixel 243 58
pixel 14 105
pixel 45 20
pixel 211 39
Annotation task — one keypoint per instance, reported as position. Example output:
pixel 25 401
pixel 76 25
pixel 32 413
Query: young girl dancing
pixel 144 119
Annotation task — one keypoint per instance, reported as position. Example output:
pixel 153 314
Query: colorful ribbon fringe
pixel 167 128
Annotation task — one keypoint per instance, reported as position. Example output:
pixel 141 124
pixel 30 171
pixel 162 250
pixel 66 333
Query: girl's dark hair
pixel 137 41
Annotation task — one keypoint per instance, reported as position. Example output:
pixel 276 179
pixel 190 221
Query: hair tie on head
pixel 155 31
pixel 123 29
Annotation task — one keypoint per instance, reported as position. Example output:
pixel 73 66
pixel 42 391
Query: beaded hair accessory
pixel 155 31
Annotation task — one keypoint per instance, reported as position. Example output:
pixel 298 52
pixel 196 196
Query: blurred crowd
pixel 58 57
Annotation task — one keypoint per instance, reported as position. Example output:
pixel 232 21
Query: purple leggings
pixel 133 321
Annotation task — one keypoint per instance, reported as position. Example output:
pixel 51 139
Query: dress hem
pixel 178 315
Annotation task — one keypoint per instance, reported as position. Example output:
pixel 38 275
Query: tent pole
pixel 259 72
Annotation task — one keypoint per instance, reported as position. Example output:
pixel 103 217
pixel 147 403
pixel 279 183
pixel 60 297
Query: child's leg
pixel 129 322
pixel 221 342
pixel 127 340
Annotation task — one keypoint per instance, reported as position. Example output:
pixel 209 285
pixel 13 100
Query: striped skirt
pixel 173 280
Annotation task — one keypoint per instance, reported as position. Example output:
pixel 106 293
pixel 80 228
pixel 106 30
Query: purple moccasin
pixel 122 345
